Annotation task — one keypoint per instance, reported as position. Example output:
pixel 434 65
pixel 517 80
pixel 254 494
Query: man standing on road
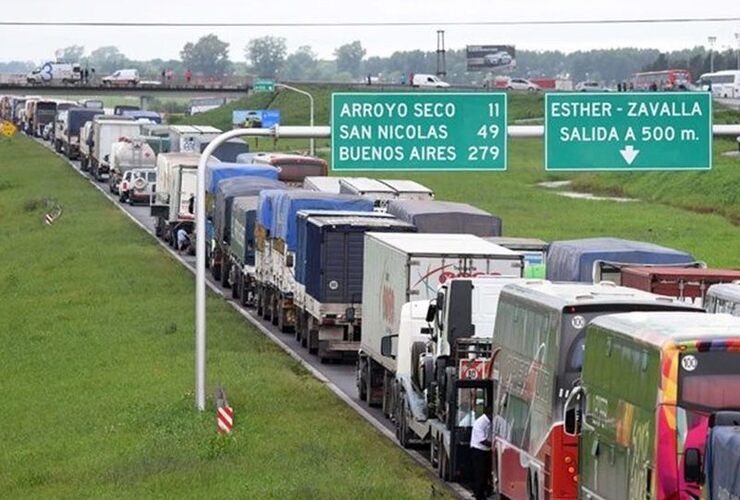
pixel 480 447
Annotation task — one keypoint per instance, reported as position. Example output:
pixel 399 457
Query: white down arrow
pixel 629 153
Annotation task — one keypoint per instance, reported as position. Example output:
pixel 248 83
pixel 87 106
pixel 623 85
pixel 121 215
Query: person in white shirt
pixel 480 448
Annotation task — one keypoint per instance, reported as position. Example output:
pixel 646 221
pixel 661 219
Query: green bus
pixel 651 382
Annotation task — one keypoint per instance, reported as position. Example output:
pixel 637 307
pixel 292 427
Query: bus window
pixel 575 356
pixel 710 380
pixel 516 415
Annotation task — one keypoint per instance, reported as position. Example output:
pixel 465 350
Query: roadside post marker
pixel 53 215
pixel 224 413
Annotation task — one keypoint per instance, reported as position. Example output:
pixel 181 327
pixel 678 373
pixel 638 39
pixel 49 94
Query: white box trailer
pixel 373 189
pixel 409 190
pixel 400 268
pixel 176 184
pixel 187 138
pixel 106 132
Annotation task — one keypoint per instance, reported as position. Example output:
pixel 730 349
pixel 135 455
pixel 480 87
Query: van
pixel 55 73
pixel 122 77
pixel 424 80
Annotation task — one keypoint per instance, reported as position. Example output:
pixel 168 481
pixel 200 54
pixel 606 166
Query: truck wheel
pixel 313 341
pixel 417 350
pixel 216 271
pixel 401 425
pixel 225 274
pixel 260 308
pixel 275 308
pixel 443 469
pixel 369 382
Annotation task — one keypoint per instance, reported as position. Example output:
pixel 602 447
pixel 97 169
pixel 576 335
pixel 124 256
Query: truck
pixel 533 249
pixel 276 246
pixel 293 168
pixel 409 190
pixel 70 123
pixel 592 260
pixel 126 154
pixel 187 138
pixel 722 456
pixel 431 216
pixel 689 284
pixel 176 184
pixel 400 268
pixel 106 132
pixel 329 275
pixel 44 114
pixel 373 189
pixel 325 184
pixel 55 73
pixel 242 248
pixel 647 438
pixel 250 183
pixel 442 379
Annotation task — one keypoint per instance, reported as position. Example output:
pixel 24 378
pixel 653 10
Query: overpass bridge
pixel 141 91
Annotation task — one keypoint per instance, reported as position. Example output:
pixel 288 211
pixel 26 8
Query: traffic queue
pixel 597 368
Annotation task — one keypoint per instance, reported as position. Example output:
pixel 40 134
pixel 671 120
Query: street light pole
pixel 712 40
pixel 200 236
pixel 737 42
pixel 312 146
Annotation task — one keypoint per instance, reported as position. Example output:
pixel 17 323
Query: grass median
pixel 97 370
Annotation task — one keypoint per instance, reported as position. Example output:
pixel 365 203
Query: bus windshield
pixel 710 381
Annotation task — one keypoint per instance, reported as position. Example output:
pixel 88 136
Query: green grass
pixel 96 326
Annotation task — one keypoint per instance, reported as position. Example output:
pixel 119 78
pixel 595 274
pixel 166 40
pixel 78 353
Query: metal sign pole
pixel 312 142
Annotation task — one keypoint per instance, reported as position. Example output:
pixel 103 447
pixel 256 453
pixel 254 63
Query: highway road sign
pixel 8 129
pixel 264 86
pixel 628 131
pixel 418 131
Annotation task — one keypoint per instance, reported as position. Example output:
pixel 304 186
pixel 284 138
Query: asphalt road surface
pixel 340 378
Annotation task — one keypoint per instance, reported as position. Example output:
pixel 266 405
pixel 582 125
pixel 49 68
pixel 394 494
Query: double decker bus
pixel 537 355
pixel 669 79
pixel 652 384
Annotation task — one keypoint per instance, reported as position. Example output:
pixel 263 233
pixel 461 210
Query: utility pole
pixel 712 40
pixel 737 42
pixel 441 55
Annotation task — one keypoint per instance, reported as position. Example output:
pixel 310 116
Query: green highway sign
pixel 264 86
pixel 628 131
pixel 418 131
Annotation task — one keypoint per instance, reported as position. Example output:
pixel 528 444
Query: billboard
pixel 491 57
pixel 255 118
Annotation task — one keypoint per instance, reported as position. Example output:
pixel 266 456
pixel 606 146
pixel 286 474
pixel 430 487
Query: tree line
pixel 268 57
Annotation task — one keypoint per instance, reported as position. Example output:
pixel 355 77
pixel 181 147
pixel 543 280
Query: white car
pixel 501 58
pixel 423 80
pixel 522 84
pixel 122 77
pixel 591 87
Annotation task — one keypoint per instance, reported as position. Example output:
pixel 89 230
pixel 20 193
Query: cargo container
pixel 533 250
pixel 690 284
pixel 722 456
pixel 293 168
pixel 44 114
pixel 227 190
pixel 187 138
pixel 445 217
pixel 592 260
pixel 242 248
pixel 67 137
pixel 373 189
pixel 329 268
pixel 323 184
pixel 277 244
pixel 401 268
pixel 409 190
pixel 106 132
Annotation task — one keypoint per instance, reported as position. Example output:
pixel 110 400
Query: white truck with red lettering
pixel 405 267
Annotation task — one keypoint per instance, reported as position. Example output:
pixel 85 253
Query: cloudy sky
pixel 39 43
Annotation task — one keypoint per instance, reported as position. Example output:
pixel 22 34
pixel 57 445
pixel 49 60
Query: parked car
pixel 522 84
pixel 501 58
pixel 122 77
pixel 141 185
pixel 591 87
pixel 424 80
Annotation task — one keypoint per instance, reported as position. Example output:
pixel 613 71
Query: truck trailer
pixel 431 216
pixel 105 133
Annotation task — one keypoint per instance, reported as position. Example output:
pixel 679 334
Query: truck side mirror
pixel 692 466
pixel 386 346
pixel 431 311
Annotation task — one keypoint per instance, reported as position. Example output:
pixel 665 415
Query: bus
pixel 536 361
pixel 670 79
pixel 651 382
pixel 723 298
pixel 724 84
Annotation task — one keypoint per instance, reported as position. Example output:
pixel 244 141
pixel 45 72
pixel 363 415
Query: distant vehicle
pixel 424 80
pixel 48 131
pixel 55 73
pixel 725 84
pixel 121 108
pixel 203 104
pixel 105 132
pixel 92 104
pixel 589 86
pixel 670 79
pixel 141 186
pixel 522 84
pixel 122 77
pixel 501 58
pixel 139 115
pixel 68 128
pixel 85 143
pixel 44 113
pixel 128 154
pixel 723 298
